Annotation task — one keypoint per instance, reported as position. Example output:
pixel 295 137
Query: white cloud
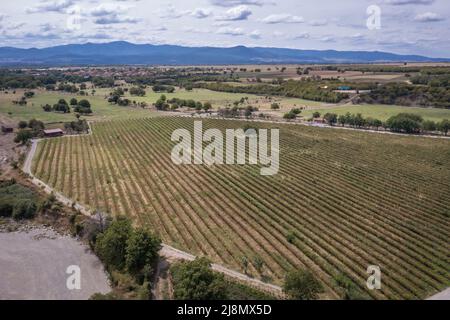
pixel 282 18
pixel 428 17
pixel 255 34
pixel 303 35
pixel 111 13
pixel 318 23
pixel 231 31
pixel 59 6
pixel 237 13
pixel 232 3
pixel 201 13
pixel 406 2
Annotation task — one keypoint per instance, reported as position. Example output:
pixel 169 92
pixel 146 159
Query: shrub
pixel 195 280
pixel 24 209
pixel 22 124
pixel 23 136
pixel 302 285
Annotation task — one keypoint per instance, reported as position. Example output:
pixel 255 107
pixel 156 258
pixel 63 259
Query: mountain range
pixel 125 53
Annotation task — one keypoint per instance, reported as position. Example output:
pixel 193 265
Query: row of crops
pixel 341 201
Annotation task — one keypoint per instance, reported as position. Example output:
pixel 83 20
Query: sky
pixel 398 26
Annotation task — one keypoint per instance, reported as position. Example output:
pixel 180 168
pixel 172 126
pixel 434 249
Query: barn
pixel 51 133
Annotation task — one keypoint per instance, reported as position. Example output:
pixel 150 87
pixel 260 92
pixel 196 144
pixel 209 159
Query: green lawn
pixel 383 112
pixel 102 109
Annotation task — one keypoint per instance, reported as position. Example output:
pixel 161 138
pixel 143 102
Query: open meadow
pixel 342 200
pixel 381 112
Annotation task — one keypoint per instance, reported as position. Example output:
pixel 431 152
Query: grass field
pixel 105 111
pixel 383 112
pixel 342 200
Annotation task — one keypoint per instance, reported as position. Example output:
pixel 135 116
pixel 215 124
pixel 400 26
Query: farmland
pixel 342 200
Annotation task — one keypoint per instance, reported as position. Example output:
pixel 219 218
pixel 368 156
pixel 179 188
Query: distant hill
pixel 125 53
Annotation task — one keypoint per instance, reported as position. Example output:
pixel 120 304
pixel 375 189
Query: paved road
pixel 33 265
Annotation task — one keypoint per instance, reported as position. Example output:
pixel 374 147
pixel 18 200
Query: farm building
pixel 7 129
pixel 53 133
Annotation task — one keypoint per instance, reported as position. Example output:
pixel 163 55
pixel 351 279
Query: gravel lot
pixel 33 265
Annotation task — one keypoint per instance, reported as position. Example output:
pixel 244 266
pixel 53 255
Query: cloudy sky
pixel 406 26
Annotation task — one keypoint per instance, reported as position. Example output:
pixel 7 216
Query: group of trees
pixel 292 114
pixel 29 130
pixel 409 95
pixel 82 106
pixel 237 112
pixel 137 91
pixel 163 88
pixel 76 126
pixel 195 280
pixel 403 122
pixel 411 123
pixel 126 249
pixel 163 104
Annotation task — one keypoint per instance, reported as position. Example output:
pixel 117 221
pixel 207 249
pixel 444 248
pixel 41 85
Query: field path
pixel 166 251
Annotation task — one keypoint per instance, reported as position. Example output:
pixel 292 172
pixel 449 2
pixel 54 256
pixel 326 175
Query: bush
pixel 290 115
pixel 24 209
pixel 302 285
pixel 22 124
pixel 331 118
pixel 23 136
pixel 195 280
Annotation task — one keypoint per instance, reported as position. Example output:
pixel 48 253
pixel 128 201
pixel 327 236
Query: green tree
pixel 316 115
pixel 23 136
pixel 444 126
pixel 302 285
pixel 429 125
pixel 405 122
pixel 73 102
pixel 207 106
pixel 330 118
pixel 111 245
pixel 195 280
pixel 141 252
pixel 22 124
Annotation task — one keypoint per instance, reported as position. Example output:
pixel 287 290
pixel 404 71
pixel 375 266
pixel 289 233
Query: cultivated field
pixel 342 200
